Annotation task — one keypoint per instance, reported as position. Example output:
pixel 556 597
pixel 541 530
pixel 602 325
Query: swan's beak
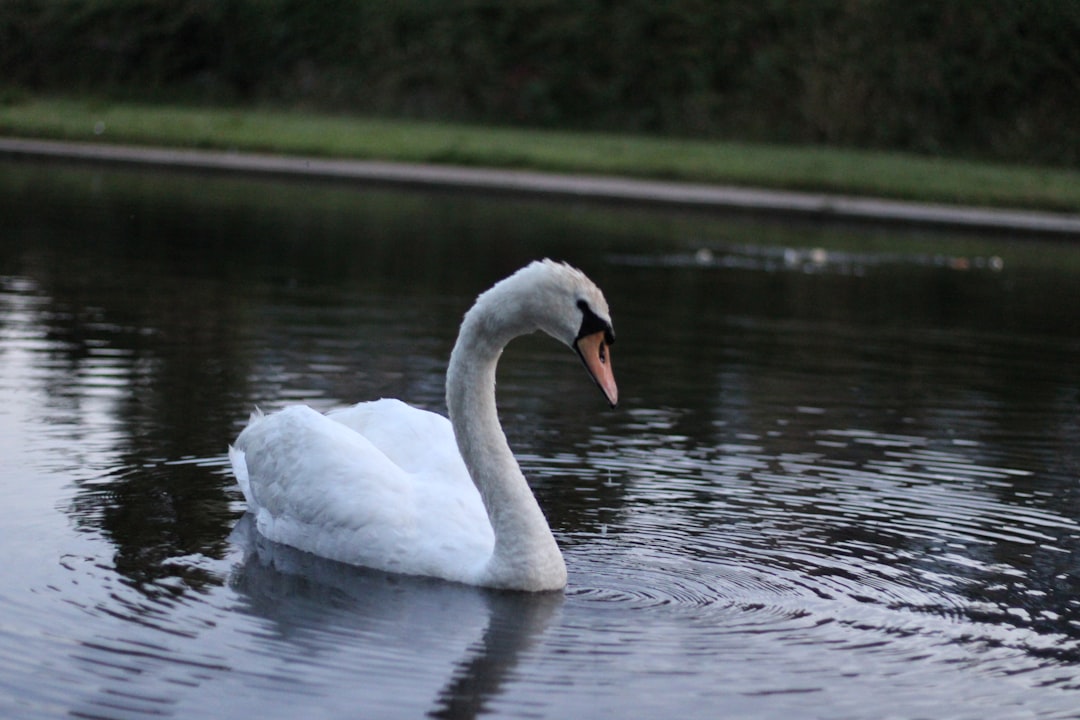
pixel 595 352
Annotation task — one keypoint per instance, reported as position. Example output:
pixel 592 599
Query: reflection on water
pixel 478 633
pixel 844 474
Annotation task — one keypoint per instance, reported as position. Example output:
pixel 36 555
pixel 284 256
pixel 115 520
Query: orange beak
pixel 595 352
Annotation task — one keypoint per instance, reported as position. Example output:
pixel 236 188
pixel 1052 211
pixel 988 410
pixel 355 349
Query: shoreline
pixel 611 189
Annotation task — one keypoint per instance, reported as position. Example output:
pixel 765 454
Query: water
pixel 842 482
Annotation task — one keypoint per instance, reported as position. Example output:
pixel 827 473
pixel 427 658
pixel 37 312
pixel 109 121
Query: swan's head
pixel 564 303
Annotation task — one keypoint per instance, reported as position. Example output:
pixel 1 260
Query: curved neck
pixel 526 555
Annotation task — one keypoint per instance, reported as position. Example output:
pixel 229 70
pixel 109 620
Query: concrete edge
pixel 611 189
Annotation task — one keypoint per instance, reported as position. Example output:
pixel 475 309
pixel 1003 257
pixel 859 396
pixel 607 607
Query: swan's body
pixel 388 486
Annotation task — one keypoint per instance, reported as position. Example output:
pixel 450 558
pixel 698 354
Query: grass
pixel 879 174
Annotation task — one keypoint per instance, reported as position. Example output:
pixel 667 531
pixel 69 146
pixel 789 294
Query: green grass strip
pixel 879 174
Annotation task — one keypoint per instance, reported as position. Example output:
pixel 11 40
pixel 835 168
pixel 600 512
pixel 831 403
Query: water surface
pixel 842 481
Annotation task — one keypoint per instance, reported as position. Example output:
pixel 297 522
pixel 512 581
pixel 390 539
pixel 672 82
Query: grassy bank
pixel 888 175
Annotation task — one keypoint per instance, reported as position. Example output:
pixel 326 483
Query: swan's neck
pixel 526 555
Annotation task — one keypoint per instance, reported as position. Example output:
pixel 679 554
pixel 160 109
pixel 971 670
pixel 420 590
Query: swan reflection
pixel 461 643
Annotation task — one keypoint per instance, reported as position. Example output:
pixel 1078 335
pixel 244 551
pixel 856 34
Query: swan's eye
pixel 592 323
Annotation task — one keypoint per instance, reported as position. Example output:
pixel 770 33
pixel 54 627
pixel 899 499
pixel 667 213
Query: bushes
pixel 999 78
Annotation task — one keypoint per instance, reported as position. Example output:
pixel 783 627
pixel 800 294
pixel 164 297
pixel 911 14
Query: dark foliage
pixel 997 78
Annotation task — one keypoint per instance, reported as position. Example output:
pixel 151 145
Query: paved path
pixel 610 189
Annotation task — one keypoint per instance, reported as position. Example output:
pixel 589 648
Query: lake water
pixel 843 480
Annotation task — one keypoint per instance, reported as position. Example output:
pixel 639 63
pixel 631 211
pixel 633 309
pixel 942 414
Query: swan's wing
pixel 417 441
pixel 302 466
pixel 320 486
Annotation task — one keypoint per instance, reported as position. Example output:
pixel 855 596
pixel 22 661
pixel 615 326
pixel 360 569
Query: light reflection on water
pixel 843 478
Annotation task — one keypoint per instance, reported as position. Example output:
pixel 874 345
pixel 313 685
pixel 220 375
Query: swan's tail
pixel 239 463
pixel 240 470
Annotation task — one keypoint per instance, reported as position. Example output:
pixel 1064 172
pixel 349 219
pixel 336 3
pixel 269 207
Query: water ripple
pixel 904 535
pixel 639 582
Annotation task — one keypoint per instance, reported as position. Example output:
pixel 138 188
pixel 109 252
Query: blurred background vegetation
pixel 988 79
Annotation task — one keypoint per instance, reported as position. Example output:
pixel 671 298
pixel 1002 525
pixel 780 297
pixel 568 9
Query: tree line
pixel 993 79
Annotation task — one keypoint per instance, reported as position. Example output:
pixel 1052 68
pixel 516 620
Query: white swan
pixel 388 486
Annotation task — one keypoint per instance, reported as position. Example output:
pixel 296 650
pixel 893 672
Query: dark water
pixel 844 480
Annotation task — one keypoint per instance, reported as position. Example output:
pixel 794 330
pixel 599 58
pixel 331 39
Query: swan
pixel 388 486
